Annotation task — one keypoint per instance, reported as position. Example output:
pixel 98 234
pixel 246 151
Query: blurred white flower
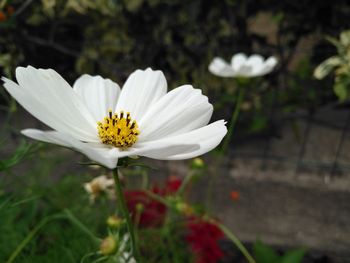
pixel 242 66
pixel 100 185
pixel 125 256
pixel 105 123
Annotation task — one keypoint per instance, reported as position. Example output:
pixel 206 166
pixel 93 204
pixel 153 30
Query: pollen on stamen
pixel 119 131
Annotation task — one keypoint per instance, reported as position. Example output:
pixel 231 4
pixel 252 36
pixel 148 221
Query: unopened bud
pixel 197 163
pixel 140 207
pixel 184 208
pixel 114 221
pixel 108 246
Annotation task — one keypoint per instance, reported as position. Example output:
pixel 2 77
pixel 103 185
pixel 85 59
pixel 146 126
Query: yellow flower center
pixel 118 130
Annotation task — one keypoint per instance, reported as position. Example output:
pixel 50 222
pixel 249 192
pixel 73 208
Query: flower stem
pixel 236 241
pixel 124 209
pixel 185 182
pixel 80 225
pixel 233 120
pixel 157 198
pixel 66 215
pixel 30 236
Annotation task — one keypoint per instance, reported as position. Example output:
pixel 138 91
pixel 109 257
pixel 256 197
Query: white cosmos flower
pixel 242 66
pixel 105 123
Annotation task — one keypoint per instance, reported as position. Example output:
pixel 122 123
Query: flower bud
pixel 108 246
pixel 184 208
pixel 114 221
pixel 140 207
pixel 197 163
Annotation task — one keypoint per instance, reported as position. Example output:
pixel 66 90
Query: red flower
pixel 203 238
pixel 173 184
pixel 153 212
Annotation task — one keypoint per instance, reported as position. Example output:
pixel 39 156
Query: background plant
pixel 113 37
pixel 339 65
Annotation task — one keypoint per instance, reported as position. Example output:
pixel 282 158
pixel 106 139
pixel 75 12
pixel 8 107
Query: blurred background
pixel 288 158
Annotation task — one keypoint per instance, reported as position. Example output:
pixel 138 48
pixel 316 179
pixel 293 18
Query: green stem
pixel 233 120
pixel 144 179
pixel 184 183
pixel 157 198
pixel 236 241
pixel 81 226
pixel 169 238
pixel 124 209
pixel 224 229
pixel 32 233
pixel 67 215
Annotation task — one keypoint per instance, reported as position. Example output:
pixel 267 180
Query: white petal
pixel 95 151
pixel 142 89
pixel 220 68
pixel 256 64
pixel 49 116
pixel 47 136
pixel 269 65
pixel 255 60
pixel 158 149
pixel 207 137
pixel 245 71
pixel 271 61
pixel 55 95
pixel 50 88
pixel 98 94
pixel 238 60
pixel 181 110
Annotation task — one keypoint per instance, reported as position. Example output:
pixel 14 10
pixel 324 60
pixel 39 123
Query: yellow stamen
pixel 120 131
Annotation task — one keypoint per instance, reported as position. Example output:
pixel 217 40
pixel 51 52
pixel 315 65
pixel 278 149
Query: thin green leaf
pixel 294 256
pixel 264 253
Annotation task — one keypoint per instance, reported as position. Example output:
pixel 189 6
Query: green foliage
pixel 112 38
pixel 326 67
pixel 164 246
pixel 24 150
pixel 56 241
pixel 266 254
pixel 35 197
pixel 339 64
pixel 258 123
pixel 59 220
pixel 293 256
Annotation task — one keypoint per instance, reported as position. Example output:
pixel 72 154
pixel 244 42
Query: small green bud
pixel 140 207
pixel 114 221
pixel 184 208
pixel 197 163
pixel 108 246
